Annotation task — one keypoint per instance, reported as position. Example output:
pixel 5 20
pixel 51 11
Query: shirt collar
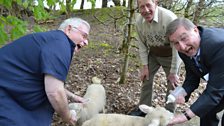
pixel 197 54
pixel 199 50
pixel 156 15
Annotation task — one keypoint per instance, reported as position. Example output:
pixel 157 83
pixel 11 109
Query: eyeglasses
pixel 84 34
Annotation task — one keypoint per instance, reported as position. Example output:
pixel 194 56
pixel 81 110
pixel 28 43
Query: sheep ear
pixel 96 80
pixel 145 108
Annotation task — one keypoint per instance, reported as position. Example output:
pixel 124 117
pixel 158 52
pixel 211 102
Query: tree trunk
pixel 128 42
pixel 197 14
pixel 116 2
pixel 104 3
pixel 124 3
pixel 68 8
pixel 187 9
pixel 82 4
pixel 166 4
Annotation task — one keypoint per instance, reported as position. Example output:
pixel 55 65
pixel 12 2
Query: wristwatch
pixel 186 115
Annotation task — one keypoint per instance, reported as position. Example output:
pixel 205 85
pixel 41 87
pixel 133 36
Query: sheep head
pixel 96 80
pixel 156 116
pixel 77 107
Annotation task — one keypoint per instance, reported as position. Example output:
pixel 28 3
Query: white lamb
pixel 158 116
pixel 96 96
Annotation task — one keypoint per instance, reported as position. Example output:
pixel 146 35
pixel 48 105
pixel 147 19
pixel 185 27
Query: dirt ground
pixel 103 59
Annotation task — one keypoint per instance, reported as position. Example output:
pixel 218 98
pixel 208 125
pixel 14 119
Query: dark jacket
pixel 212 62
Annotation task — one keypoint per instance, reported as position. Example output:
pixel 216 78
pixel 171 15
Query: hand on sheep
pixel 79 99
pixel 73 117
pixel 181 118
pixel 177 119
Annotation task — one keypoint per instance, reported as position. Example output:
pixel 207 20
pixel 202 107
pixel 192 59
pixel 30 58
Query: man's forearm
pixel 57 96
pixel 59 102
pixel 69 94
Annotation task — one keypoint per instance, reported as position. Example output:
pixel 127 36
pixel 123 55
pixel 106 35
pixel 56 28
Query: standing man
pixel 33 70
pixel 154 50
pixel 201 50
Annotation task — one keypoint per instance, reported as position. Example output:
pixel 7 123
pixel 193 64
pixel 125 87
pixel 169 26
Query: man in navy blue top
pixel 33 70
pixel 201 50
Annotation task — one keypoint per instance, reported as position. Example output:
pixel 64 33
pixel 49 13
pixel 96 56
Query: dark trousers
pixel 147 87
pixel 211 119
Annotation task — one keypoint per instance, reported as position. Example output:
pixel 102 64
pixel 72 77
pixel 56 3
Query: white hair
pixel 76 22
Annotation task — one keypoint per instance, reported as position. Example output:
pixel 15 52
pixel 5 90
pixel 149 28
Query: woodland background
pixel 112 53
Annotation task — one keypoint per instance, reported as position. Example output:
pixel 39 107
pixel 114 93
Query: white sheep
pixel 158 116
pixel 96 96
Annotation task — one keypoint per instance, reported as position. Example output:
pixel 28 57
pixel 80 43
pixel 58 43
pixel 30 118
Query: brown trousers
pixel 147 86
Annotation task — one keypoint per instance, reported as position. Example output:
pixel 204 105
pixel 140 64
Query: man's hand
pixel 144 73
pixel 173 79
pixel 79 99
pixel 180 99
pixel 177 119
pixel 181 118
pixel 73 117
pixel 75 98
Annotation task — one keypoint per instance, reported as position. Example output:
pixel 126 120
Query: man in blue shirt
pixel 33 70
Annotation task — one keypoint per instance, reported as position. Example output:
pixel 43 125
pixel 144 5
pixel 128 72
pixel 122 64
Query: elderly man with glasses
pixel 33 70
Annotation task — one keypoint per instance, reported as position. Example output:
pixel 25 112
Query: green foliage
pixel 17 28
pixel 73 2
pixel 12 27
pixel 17 32
pixel 93 2
pixel 38 28
pixel 91 45
pixel 99 45
pixel 214 16
pixel 62 7
pixel 6 3
pixel 105 45
pixel 3 35
pixel 39 12
pixel 52 2
pixel 25 4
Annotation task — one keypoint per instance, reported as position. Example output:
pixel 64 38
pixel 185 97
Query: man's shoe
pixel 137 112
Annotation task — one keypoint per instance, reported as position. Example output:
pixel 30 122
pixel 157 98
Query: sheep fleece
pixel 115 120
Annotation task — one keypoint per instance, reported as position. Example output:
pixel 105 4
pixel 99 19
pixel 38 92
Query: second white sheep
pixel 158 116
pixel 96 96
